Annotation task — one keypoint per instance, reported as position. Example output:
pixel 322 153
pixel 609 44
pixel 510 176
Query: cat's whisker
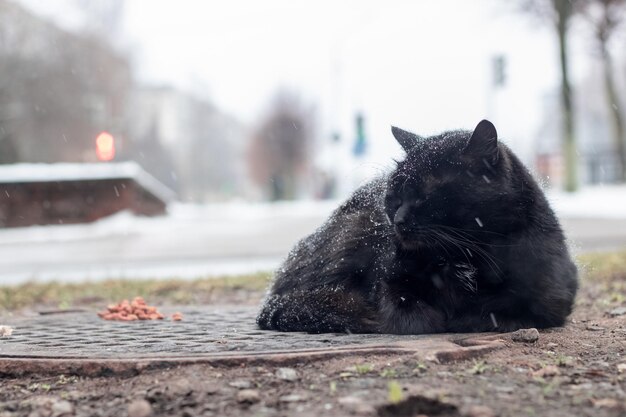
pixel 464 244
pixel 440 244
pixel 461 230
pixel 469 237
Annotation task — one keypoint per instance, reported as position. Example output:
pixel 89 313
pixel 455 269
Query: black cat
pixel 458 238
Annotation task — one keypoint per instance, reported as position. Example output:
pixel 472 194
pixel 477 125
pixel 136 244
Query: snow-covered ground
pixel 606 202
pixel 191 241
pixel 205 240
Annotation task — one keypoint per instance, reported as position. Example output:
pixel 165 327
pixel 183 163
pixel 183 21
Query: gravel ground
pixel 579 370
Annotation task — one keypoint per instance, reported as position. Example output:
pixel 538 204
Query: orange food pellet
pixel 137 309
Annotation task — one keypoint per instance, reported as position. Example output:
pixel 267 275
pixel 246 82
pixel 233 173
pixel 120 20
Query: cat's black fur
pixel 457 238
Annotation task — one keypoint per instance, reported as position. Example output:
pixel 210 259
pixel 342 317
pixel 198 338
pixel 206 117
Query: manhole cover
pixel 227 335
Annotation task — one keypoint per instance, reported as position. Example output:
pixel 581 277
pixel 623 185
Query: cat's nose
pixel 399 219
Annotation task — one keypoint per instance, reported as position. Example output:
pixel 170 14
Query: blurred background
pixel 184 139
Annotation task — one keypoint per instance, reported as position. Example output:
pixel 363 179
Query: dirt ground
pixel 579 370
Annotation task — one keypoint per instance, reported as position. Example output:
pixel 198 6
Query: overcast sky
pixel 421 65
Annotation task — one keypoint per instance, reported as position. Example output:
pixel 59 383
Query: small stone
pixel 356 406
pixel 621 368
pixel 61 408
pixel 600 364
pixel 241 384
pixel 594 328
pixel 364 410
pixel 189 412
pixel 610 403
pixel 180 387
pixel 139 408
pixel 505 389
pixel 619 311
pixel 552 345
pixel 75 395
pixel 6 331
pixel 349 401
pixel 39 401
pixel 525 335
pixel 209 407
pixel 546 371
pixel 479 411
pixel 292 398
pixel 248 396
pixel 287 374
pixel 363 383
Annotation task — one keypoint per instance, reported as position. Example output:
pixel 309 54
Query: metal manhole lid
pixel 205 334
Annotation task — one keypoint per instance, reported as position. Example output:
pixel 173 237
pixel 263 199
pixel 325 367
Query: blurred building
pixel 597 156
pixel 188 144
pixel 58 90
pixel 38 194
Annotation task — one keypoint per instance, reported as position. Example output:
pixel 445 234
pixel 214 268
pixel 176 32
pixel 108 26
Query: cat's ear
pixel 483 143
pixel 406 139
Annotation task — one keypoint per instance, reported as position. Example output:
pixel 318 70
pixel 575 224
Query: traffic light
pixel 499 71
pixel 360 144
pixel 105 146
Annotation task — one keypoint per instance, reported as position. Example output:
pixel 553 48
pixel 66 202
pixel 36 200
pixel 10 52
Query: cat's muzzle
pixel 410 238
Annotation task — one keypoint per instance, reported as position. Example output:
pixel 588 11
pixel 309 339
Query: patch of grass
pixel 603 266
pixel 394 392
pixel 606 268
pixel 389 373
pixel 39 387
pixel 479 368
pixel 173 291
pixel 564 360
pixel 530 411
pixel 66 380
pixel 333 387
pixel 616 293
pixel 420 368
pixel 364 368
pixel 548 388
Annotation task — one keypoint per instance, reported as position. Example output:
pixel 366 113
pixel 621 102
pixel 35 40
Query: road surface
pixel 198 242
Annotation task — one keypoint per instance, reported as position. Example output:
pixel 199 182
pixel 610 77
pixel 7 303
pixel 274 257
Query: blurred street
pixel 103 113
pixel 224 239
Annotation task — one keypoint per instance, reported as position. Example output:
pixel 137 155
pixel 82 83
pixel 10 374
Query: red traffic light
pixel 105 146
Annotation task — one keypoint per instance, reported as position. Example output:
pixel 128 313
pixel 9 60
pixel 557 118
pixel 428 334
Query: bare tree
pixel 605 17
pixel 8 149
pixel 559 13
pixel 280 152
pixel 150 153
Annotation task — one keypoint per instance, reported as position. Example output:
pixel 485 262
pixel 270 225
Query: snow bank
pixel 608 202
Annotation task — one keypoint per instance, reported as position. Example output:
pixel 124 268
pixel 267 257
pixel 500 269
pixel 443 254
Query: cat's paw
pixel 269 317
